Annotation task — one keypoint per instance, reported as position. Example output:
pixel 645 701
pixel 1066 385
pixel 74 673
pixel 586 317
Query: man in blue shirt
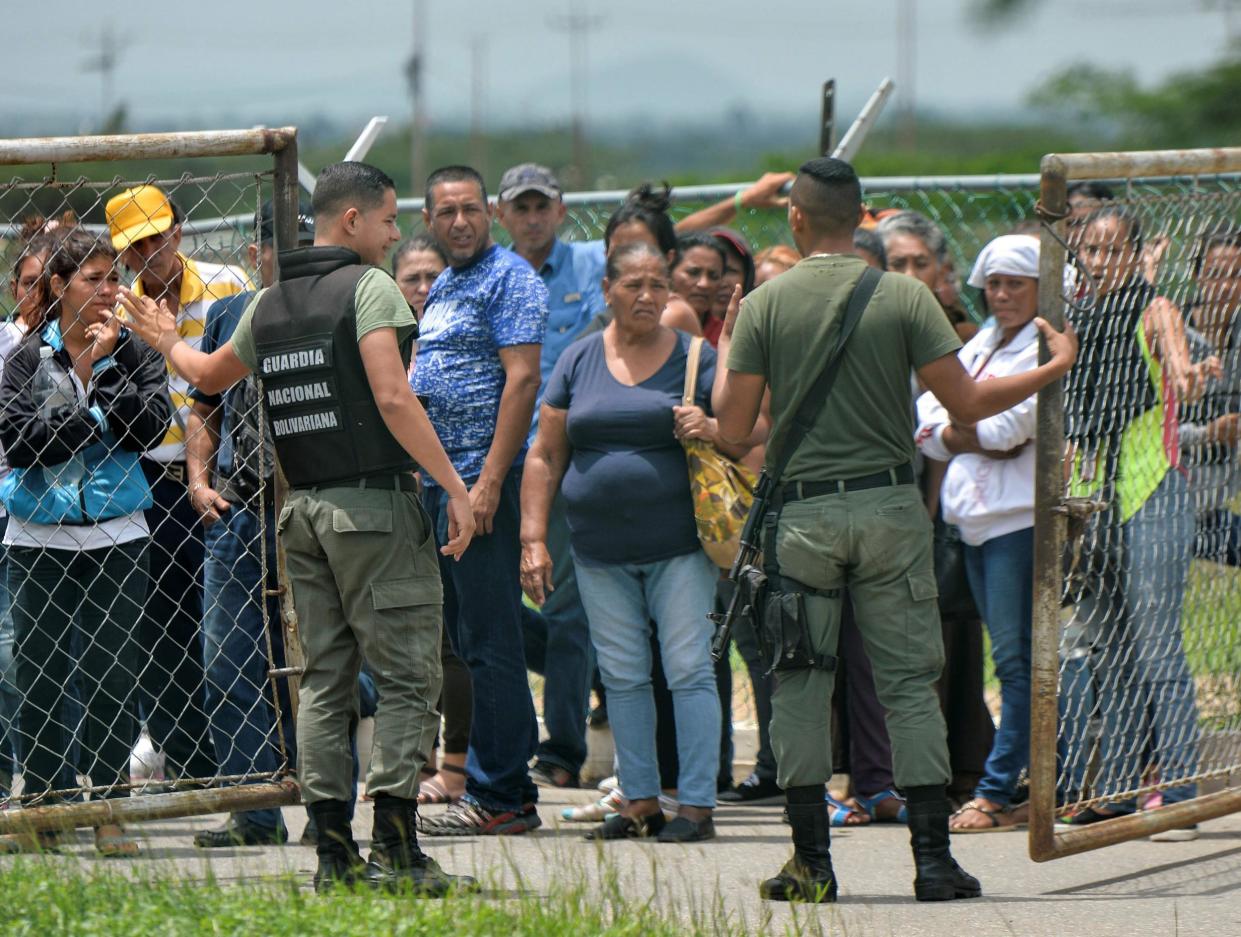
pixel 478 370
pixel 557 638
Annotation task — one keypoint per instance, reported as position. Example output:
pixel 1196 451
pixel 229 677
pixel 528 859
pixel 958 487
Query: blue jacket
pixel 126 412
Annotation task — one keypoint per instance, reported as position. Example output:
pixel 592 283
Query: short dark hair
pixel 342 186
pixel 454 174
pixel 650 209
pixel 687 242
pixel 414 245
pixel 828 193
pixel 868 239
pixel 1095 190
pixel 633 249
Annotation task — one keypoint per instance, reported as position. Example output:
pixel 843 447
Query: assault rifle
pixel 746 576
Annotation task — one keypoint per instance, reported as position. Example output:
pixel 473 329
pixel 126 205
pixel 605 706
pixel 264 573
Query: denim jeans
pixel 1141 679
pixel 621 601
pixel 1001 575
pixel 239 706
pixel 557 645
pixel 96 595
pixel 10 697
pixel 171 684
pixel 482 612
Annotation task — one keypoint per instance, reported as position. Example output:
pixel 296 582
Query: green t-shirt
pixel 378 304
pixel 786 330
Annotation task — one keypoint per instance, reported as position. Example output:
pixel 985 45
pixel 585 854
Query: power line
pixel 578 26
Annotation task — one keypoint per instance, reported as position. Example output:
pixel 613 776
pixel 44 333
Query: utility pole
pixel 478 103
pixel 906 70
pixel 415 68
pixel 104 63
pixel 578 26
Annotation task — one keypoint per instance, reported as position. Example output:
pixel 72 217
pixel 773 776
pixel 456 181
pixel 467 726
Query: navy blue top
pixel 626 487
pixel 222 319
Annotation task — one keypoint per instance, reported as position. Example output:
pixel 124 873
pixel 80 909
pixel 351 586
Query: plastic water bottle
pixel 51 392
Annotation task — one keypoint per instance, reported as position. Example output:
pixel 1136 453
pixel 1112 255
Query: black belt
pixel 396 481
pixel 798 491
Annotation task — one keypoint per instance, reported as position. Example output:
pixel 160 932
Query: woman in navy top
pixel 611 426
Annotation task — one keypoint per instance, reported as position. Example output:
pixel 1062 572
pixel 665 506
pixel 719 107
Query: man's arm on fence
pixel 763 194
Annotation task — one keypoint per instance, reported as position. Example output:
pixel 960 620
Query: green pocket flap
pixel 362 520
pixel 922 586
pixel 404 593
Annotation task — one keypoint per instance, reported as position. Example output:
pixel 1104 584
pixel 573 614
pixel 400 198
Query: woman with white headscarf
pixel 988 492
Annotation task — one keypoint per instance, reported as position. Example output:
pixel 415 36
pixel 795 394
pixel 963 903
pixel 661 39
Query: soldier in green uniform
pixel 331 342
pixel 847 514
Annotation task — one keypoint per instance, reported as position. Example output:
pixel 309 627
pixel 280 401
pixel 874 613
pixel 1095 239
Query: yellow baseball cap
pixel 138 213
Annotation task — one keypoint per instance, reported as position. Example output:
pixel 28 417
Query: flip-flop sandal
pixel 111 842
pixel 992 815
pixel 869 805
pixel 839 813
pixel 432 790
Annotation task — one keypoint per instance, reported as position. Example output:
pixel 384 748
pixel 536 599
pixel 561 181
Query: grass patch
pixel 43 898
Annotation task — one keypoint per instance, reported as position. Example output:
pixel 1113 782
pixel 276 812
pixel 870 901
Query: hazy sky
pixel 283 61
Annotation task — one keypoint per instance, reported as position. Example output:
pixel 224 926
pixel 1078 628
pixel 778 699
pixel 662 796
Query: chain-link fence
pixel 144 629
pixel 1137 646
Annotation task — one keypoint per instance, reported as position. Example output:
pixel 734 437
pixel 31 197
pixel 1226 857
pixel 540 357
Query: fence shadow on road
pixel 1200 876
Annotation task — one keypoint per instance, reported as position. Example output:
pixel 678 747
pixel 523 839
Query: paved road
pixel 1136 889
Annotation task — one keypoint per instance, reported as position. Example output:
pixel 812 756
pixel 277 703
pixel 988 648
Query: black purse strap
pixel 812 404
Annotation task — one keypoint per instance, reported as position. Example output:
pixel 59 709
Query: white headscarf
pixel 1015 255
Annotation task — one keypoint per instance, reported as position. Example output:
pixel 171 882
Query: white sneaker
pixel 607 785
pixel 145 763
pixel 1185 834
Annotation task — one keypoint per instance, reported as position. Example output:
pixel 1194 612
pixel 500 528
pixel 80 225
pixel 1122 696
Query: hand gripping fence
pixel 1137 589
pixel 149 670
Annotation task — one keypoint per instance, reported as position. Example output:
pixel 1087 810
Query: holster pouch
pixel 782 626
pixel 788 645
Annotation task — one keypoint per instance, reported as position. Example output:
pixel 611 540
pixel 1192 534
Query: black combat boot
pixel 340 861
pixel 937 876
pixel 808 876
pixel 396 861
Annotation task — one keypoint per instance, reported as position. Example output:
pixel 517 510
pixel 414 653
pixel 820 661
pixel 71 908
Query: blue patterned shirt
pixel 472 312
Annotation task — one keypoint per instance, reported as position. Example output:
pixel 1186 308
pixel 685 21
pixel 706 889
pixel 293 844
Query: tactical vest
pixel 320 410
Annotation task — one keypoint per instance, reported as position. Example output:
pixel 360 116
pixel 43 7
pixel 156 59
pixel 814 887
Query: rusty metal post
pixel 287 200
pixel 151 807
pixel 1048 529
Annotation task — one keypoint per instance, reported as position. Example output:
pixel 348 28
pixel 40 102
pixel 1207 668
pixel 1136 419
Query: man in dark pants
pixel 847 514
pixel 531 210
pixel 478 368
pixel 332 342
pixel 145 227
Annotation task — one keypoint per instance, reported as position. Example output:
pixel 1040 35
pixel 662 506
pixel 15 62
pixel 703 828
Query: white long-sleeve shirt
pixel 987 498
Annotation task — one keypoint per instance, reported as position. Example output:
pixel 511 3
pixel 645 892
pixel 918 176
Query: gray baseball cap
pixel 528 177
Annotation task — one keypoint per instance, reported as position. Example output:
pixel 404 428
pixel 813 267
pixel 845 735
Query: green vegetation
pixel 44 898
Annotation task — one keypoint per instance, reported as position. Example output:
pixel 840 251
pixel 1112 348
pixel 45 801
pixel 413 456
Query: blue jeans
pixel 482 612
pixel 557 645
pixel 621 601
pixel 1001 575
pixel 1141 679
pixel 10 697
pixel 239 706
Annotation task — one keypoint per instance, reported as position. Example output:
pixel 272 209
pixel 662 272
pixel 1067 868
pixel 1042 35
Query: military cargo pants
pixel 876 542
pixel 365 576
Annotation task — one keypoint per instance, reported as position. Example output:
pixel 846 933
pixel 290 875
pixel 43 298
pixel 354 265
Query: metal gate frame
pixel 281 144
pixel 1050 513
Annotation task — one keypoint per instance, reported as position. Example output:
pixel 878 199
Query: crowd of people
pixel 554 375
